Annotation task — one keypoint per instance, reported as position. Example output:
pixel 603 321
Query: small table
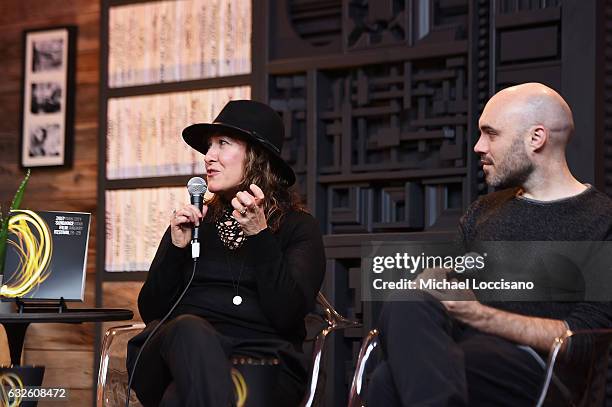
pixel 17 323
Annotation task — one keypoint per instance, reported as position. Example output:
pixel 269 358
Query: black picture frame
pixel 47 97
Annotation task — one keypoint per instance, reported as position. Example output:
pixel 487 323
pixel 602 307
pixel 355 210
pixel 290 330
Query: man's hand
pixel 451 296
pixel 462 305
pixel 435 273
pixel 470 312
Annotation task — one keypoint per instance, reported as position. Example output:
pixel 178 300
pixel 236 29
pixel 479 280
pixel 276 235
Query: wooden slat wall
pixel 67 351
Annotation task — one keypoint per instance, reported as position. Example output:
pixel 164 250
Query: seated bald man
pixel 465 353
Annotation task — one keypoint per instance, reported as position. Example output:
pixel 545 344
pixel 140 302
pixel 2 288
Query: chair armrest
pixel 370 342
pixel 333 317
pixel 334 321
pixel 113 345
pixel 599 341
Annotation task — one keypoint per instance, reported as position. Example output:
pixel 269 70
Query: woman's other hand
pixel 182 222
pixel 248 210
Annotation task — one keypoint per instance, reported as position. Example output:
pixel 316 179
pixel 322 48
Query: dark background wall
pixel 380 101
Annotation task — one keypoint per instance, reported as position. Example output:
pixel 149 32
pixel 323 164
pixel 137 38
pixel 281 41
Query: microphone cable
pixel 131 375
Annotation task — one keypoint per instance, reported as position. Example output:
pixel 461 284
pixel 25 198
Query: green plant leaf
pixel 5 220
pixel 19 194
pixel 3 237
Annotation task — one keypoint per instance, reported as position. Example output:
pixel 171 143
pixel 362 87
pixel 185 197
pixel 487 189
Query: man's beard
pixel 513 170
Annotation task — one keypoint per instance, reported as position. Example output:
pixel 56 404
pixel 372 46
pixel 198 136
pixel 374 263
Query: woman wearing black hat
pixel 260 268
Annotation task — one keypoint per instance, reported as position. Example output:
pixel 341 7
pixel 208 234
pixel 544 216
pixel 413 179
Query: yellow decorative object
pixel 34 247
pixel 240 387
pixel 8 382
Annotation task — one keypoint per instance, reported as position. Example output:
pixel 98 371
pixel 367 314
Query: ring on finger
pixel 243 211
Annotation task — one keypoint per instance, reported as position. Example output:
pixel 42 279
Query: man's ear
pixel 538 137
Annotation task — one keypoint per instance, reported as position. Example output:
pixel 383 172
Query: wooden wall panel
pixel 67 351
pixel 5 358
pixel 386 104
pixel 77 398
pixel 58 337
pixel 121 294
pixel 63 368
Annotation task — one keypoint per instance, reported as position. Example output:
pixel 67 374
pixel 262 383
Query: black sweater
pixel 279 276
pixel 505 216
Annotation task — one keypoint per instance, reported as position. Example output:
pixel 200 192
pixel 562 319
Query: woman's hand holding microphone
pixel 182 222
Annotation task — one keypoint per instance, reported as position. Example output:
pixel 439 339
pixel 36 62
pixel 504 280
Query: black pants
pixel 432 360
pixel 186 363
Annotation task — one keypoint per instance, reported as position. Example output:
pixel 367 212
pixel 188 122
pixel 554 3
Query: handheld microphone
pixel 196 187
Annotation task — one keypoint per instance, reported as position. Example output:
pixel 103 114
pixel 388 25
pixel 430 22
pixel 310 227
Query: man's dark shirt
pixel 507 216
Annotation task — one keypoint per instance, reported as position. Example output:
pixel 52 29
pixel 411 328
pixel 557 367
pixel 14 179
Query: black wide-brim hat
pixel 253 121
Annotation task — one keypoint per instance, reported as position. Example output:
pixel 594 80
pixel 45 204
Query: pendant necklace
pixel 237 300
pixel 232 237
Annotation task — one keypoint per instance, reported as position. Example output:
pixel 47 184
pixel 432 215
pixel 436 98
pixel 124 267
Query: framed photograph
pixel 47 111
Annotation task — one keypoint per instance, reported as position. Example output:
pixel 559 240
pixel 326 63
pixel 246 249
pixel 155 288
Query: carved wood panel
pixel 382 100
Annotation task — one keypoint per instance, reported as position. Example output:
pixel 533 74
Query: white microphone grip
pixel 195 249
